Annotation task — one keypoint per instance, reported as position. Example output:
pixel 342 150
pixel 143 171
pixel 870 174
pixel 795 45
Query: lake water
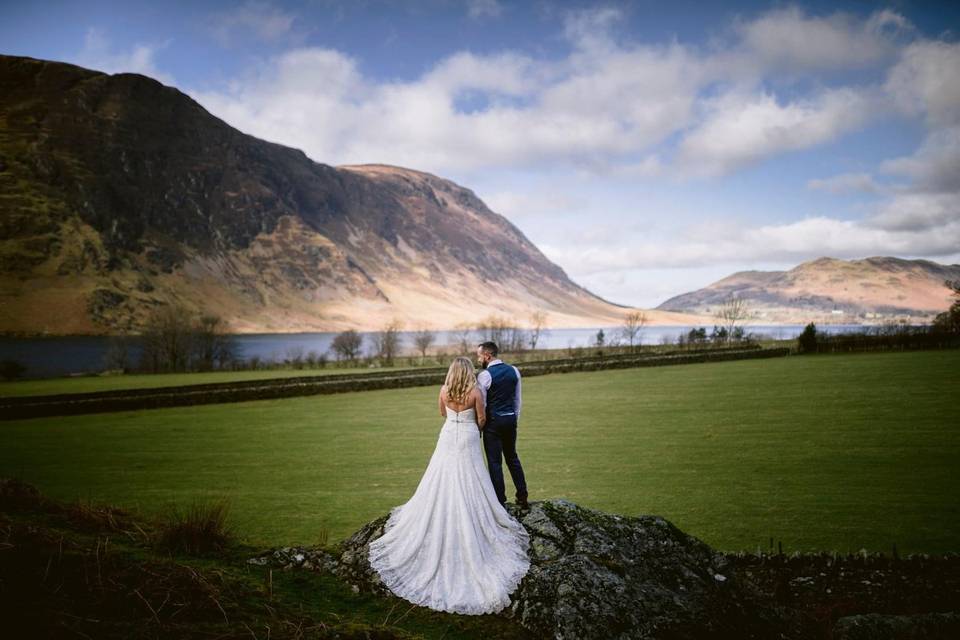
pixel 58 356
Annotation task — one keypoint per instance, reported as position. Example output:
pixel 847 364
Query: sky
pixel 648 148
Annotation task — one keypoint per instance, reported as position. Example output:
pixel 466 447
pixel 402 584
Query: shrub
pixel 201 528
pixel 807 340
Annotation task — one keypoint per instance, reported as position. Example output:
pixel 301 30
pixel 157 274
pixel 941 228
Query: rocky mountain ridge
pixel 119 194
pixel 870 290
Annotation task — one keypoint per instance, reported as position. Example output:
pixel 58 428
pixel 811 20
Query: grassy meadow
pixel 89 384
pixel 827 452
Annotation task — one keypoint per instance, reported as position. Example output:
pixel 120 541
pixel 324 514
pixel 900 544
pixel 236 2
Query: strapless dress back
pixel 452 546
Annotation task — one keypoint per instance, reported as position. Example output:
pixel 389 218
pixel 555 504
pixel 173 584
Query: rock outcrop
pixel 922 626
pixel 602 576
pixel 595 575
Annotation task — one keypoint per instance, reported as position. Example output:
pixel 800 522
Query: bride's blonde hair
pixel 460 379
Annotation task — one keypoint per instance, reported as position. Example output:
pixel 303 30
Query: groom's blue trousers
pixel 500 440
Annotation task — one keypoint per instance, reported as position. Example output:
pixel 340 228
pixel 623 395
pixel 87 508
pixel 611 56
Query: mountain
pixel 119 194
pixel 828 289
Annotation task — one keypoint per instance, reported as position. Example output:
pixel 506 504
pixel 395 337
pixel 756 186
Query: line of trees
pixel 174 340
pixel 385 345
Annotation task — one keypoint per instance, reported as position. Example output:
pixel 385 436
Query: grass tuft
pixel 198 529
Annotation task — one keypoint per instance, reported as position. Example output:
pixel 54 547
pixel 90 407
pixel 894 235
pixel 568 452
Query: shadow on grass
pixel 83 570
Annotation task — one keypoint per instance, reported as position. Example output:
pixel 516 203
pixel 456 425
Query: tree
pixel 117 356
pixel 807 340
pixel 515 339
pixel 424 339
pixel 211 343
pixel 719 334
pixel 632 328
pixel 295 356
pixel 538 323
pixel 461 337
pixel 600 338
pixel 386 342
pixel 494 329
pixel 346 345
pixel 697 335
pixel 166 340
pixel 732 312
pixel 949 320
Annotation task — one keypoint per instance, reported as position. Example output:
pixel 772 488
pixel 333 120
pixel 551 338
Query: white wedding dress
pixel 452 546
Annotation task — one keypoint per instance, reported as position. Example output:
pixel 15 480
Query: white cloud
pixel 921 213
pixel 924 81
pixel 574 112
pixel 478 9
pixel 589 29
pixel 97 54
pixel 504 73
pixel 740 129
pixel 931 201
pixel 260 20
pixel 603 108
pixel 790 242
pixel 935 166
pixel 788 38
pixel 846 183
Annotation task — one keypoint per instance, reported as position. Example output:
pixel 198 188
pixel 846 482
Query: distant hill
pixel 119 194
pixel 832 290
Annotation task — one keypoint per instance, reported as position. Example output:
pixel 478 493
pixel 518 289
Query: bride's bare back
pixel 473 401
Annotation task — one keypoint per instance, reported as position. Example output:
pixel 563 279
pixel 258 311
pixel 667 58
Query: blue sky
pixel 649 148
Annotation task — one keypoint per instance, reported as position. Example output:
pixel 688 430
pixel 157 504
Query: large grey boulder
pixel 599 575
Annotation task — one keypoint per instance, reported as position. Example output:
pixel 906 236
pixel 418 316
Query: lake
pixel 58 356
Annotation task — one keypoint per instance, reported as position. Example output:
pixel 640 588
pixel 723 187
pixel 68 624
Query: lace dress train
pixel 452 546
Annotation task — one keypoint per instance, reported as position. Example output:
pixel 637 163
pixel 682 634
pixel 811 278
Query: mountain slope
pixel 118 194
pixel 868 289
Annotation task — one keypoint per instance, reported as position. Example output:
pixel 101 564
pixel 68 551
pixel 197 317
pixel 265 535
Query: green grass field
pixel 87 384
pixel 829 452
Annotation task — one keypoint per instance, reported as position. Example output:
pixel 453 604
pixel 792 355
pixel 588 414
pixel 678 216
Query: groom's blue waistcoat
pixel 502 394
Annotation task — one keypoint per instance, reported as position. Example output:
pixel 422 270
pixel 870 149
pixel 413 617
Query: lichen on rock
pixel 599 575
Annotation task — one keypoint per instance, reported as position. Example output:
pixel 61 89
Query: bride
pixel 452 546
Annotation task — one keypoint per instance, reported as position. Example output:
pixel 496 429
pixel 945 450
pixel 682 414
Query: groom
pixel 499 385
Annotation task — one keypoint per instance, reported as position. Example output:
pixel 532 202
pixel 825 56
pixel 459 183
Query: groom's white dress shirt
pixel 484 380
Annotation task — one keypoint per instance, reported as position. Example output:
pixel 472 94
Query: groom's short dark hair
pixel 490 347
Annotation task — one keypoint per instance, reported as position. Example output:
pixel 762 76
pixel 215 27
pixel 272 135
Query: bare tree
pixel 424 339
pixel 462 338
pixel 732 313
pixel 632 328
pixel 212 345
pixel 117 356
pixel 166 340
pixel 515 339
pixel 386 342
pixel 494 329
pixel 295 356
pixel 346 345
pixel 538 327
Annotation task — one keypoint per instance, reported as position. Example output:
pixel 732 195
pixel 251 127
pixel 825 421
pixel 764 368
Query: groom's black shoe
pixel 522 502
